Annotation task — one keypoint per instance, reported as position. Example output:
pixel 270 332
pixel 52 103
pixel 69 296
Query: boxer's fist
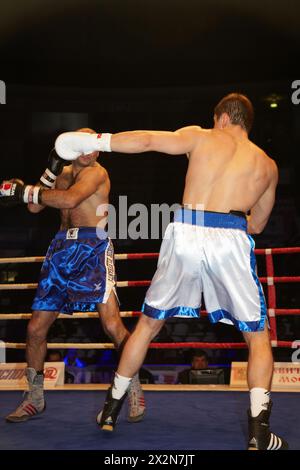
pixel 55 168
pixel 11 192
pixel 71 145
pixel 15 192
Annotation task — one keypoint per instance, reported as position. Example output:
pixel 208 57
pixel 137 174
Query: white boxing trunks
pixel 210 253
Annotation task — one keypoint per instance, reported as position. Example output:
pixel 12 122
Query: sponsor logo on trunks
pixel 72 234
pixel 97 286
pixel 110 266
pixel 138 221
pixel 2 92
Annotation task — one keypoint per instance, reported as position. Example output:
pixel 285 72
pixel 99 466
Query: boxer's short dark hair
pixel 86 129
pixel 239 109
pixel 198 353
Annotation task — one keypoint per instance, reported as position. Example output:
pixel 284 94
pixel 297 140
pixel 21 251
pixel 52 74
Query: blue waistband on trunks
pixel 210 219
pixel 81 232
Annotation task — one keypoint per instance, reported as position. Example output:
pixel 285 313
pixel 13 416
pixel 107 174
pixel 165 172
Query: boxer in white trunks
pixel 207 249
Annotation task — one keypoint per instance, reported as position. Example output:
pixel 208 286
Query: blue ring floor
pixel 174 421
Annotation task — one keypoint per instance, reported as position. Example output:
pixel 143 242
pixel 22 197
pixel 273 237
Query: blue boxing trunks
pixel 207 253
pixel 78 272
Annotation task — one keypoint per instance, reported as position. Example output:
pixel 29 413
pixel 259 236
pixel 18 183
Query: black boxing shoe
pixel 107 418
pixel 260 436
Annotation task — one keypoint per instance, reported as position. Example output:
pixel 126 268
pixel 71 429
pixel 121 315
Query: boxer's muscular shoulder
pixel 261 154
pixel 192 128
pixel 65 179
pixel 273 170
pixel 194 131
pixel 95 172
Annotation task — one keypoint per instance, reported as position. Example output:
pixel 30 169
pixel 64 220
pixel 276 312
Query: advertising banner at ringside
pixel 12 376
pixel 286 375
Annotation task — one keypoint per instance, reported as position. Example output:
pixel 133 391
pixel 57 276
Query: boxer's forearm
pixel 60 199
pixel 131 142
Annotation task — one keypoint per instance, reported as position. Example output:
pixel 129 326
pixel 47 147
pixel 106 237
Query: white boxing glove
pixel 70 145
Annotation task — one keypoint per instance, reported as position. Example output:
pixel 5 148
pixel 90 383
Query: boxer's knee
pixel 109 315
pixel 113 326
pixel 38 327
pixel 150 325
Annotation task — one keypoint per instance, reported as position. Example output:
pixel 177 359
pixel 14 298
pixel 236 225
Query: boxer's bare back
pixel 226 171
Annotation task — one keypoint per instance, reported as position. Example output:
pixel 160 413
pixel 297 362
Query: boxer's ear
pixel 224 120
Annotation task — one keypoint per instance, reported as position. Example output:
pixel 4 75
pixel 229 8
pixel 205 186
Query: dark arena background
pixel 122 65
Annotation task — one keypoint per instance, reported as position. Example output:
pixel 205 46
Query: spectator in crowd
pixel 54 355
pixel 199 361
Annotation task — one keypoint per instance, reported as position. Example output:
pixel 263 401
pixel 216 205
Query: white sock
pixel 259 400
pixel 120 386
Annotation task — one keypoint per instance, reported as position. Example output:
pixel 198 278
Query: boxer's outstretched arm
pixel 174 143
pixel 88 182
pixel 260 213
pixel 70 145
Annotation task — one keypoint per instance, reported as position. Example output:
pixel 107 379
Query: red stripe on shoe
pixel 32 408
pixel 28 410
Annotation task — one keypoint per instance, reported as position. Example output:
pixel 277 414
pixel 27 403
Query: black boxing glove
pixel 55 168
pixel 14 192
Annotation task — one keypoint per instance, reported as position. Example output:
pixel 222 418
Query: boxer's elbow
pixel 259 229
pixel 147 141
pixel 255 229
pixel 72 199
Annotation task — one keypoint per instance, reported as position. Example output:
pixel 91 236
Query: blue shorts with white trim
pixel 78 272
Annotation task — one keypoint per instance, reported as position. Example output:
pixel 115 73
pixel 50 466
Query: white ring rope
pixel 65 316
pixel 63 345
pixel 118 257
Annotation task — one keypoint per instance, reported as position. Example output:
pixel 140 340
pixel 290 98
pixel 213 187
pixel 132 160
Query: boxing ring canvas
pixel 175 420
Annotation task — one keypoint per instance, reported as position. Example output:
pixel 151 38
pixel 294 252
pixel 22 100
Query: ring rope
pixel 31 286
pixel 118 257
pixel 189 345
pixel 65 316
pixel 271 294
pixel 127 314
pixel 264 280
pixel 129 256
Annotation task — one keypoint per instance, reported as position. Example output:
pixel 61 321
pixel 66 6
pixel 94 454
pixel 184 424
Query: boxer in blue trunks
pixel 78 273
pixel 207 249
